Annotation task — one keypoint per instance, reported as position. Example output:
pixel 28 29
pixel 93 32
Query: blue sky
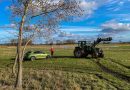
pixel 102 18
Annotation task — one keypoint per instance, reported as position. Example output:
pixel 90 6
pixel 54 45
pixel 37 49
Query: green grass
pixel 71 73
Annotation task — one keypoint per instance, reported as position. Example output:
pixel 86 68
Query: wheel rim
pixel 77 53
pixel 48 56
pixel 32 58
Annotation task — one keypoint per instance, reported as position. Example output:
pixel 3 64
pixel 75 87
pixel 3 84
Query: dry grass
pixel 54 80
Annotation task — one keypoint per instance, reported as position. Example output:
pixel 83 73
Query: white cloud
pixel 8 26
pixel 115 27
pixel 88 6
pixel 80 28
pixel 115 5
pixel 123 17
pixel 121 3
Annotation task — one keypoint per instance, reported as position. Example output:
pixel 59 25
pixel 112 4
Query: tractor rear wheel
pixel 78 53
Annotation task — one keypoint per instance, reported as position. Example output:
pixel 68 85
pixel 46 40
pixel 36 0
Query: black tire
pixel 78 53
pixel 85 55
pixel 101 55
pixel 33 58
pixel 95 54
pixel 48 56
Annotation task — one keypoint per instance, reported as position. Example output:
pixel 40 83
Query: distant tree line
pixel 59 42
pixel 14 42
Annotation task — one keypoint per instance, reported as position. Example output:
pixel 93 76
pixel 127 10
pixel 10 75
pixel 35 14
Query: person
pixel 52 51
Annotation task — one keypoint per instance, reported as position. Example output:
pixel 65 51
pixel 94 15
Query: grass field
pixel 64 72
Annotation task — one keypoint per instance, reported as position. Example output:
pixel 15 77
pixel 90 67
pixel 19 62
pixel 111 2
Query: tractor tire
pixel 101 55
pixel 78 53
pixel 85 55
pixel 94 54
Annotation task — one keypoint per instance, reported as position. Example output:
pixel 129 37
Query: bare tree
pixel 29 33
pixel 46 15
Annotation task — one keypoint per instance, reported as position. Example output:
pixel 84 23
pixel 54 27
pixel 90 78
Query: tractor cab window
pixel 82 43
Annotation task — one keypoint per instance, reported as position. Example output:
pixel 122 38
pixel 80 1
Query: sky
pixel 103 18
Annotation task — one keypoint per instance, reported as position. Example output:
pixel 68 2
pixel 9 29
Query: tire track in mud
pixel 113 73
pixel 108 81
pixel 112 60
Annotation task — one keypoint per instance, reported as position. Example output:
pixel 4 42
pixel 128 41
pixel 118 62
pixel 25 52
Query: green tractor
pixel 85 48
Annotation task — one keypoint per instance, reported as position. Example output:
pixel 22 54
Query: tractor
pixel 86 48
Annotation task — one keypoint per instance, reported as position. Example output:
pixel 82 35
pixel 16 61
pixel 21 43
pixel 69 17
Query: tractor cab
pixel 84 43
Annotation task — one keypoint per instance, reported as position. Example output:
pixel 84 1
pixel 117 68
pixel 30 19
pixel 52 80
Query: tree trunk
pixel 18 84
pixel 15 62
pixel 25 48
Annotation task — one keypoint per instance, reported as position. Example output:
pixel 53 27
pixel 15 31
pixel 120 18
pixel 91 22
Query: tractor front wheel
pixel 94 54
pixel 101 55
